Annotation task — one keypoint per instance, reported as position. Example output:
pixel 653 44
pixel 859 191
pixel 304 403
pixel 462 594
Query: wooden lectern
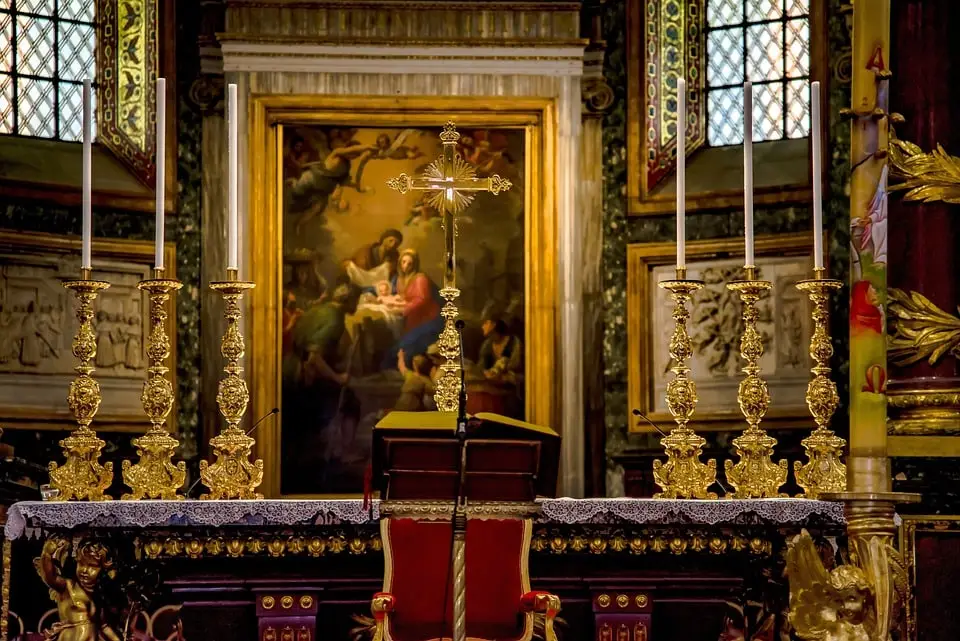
pixel 453 570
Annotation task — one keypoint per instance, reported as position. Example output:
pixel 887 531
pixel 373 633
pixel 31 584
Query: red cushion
pixel 418 554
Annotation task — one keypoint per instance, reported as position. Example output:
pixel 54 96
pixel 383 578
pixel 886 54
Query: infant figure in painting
pixel 386 297
pixel 80 617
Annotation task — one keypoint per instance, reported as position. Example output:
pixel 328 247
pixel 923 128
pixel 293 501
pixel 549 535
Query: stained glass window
pixel 768 43
pixel 46 52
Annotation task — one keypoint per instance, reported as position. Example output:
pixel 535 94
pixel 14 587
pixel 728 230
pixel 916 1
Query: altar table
pixel 299 570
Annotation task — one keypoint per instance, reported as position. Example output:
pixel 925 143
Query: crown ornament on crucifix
pixel 451 184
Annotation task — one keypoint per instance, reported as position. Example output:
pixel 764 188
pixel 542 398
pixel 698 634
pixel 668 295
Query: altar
pixel 272 570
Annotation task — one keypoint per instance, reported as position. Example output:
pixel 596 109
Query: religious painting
pixel 716 326
pixel 362 268
pixel 38 324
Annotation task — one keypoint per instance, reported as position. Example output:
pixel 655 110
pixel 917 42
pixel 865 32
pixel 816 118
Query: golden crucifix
pixel 452 184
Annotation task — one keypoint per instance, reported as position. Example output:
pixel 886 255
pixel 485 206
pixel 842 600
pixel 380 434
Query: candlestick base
pixel 232 475
pixel 755 475
pixel 155 476
pixel 824 471
pixel 684 475
pixel 82 477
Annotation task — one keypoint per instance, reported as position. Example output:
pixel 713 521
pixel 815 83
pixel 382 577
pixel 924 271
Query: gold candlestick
pixel 823 472
pixel 684 475
pixel 755 476
pixel 155 476
pixel 232 475
pixel 82 476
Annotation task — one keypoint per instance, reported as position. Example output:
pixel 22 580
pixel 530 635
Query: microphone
pixel 275 410
pixel 654 425
pixel 462 396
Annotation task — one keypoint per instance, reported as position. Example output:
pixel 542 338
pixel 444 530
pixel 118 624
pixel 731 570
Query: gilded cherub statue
pixel 828 606
pixel 80 616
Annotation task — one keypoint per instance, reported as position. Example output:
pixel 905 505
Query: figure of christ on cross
pixel 451 184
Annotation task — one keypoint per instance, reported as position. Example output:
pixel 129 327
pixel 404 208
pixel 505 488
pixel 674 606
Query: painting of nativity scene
pixel 361 305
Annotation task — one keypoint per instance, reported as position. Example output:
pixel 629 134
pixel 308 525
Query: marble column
pixel 924 388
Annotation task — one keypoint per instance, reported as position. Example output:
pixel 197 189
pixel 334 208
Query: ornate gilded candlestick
pixel 823 472
pixel 82 476
pixel 684 475
pixel 232 475
pixel 155 476
pixel 755 476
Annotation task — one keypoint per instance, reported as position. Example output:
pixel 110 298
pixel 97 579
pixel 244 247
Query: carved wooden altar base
pixel 300 570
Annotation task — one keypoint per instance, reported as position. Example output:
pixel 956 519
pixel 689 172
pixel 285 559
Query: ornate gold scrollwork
pixel 921 330
pixel 927 177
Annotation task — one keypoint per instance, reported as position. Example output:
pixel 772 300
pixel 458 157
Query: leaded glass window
pixel 768 43
pixel 46 52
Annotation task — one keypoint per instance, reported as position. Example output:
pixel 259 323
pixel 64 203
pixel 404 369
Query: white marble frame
pixel 552 72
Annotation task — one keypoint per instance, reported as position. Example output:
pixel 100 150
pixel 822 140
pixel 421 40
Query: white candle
pixel 817 175
pixel 87 208
pixel 748 171
pixel 161 166
pixel 232 185
pixel 681 173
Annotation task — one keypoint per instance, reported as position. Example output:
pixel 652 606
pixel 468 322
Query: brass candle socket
pixel 155 476
pixel 82 477
pixel 823 472
pixel 232 475
pixel 684 475
pixel 447 393
pixel 755 475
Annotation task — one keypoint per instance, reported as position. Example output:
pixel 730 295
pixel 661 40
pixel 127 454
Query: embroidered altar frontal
pixel 304 570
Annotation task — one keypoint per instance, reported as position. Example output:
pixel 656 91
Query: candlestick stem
pixel 684 475
pixel 155 476
pixel 232 475
pixel 754 475
pixel 82 477
pixel 823 472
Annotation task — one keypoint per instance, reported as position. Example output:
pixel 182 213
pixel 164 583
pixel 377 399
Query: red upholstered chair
pixel 417 599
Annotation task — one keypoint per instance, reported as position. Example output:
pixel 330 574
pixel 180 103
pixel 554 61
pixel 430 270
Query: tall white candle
pixel 87 198
pixel 232 186
pixel 817 175
pixel 681 173
pixel 748 171
pixel 161 167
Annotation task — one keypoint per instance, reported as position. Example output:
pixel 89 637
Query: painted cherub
pixel 80 616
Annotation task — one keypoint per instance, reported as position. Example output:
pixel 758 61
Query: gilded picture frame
pixel 651 82
pixel 926 525
pixel 269 115
pixel 38 324
pixel 714 328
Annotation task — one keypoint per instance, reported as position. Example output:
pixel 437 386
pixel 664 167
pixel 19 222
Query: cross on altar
pixel 451 184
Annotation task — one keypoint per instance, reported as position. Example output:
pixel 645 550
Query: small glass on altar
pixel 49 493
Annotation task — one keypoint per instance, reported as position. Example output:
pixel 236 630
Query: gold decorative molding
pixel 637 544
pixel 197 547
pixel 927 177
pixel 920 329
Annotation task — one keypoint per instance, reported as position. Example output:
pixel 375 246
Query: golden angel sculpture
pixel 828 606
pixel 75 593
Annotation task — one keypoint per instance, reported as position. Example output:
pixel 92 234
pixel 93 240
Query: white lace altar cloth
pixel 32 517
